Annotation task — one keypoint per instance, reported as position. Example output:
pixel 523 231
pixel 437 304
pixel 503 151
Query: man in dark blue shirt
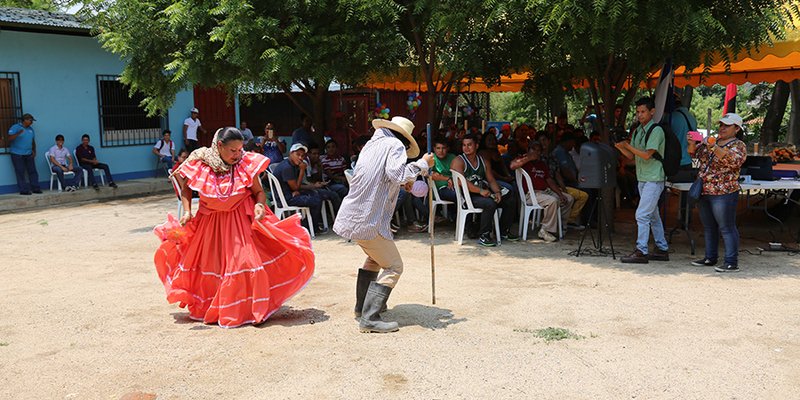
pixel 87 159
pixel 303 133
pixel 290 173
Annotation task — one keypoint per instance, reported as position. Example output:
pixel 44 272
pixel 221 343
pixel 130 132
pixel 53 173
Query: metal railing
pixel 123 121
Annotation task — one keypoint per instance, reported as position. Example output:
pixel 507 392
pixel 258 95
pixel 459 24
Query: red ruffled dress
pixel 224 266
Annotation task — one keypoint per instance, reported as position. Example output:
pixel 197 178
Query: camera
pixel 620 135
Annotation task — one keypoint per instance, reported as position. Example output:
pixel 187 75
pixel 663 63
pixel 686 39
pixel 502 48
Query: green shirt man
pixel 650 170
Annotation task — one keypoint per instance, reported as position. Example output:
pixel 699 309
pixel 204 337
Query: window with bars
pixel 123 121
pixel 10 106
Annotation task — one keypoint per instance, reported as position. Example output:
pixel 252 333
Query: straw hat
pixel 402 126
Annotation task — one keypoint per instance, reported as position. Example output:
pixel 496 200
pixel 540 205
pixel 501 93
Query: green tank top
pixel 474 173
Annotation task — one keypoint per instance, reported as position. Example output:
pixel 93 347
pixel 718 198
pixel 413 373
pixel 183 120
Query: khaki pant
pixel 550 201
pixel 580 200
pixel 382 254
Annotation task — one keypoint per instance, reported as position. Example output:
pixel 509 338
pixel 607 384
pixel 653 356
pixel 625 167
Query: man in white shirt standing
pixel 62 162
pixel 190 127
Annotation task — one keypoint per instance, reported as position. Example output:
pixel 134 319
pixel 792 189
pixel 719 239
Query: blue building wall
pixel 58 78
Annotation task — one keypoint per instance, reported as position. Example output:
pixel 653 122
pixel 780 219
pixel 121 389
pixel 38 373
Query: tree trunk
pixel 320 101
pixel 775 111
pixel 793 134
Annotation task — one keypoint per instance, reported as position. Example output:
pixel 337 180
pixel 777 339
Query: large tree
pixel 612 45
pixel 170 45
pixel 456 41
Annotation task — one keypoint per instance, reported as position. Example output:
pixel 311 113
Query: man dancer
pixel 367 210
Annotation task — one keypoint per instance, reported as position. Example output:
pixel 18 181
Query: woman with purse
pixel 720 162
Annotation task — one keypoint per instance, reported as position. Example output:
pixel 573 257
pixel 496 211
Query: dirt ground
pixel 85 317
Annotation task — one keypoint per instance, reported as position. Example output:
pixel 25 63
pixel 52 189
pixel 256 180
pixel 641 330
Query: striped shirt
pixel 381 169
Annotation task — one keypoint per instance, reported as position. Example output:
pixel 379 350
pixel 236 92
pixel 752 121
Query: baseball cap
pixel 298 146
pixel 731 119
pixel 28 116
pixel 195 110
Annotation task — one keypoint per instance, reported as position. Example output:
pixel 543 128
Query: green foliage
pixel 172 44
pixel 45 5
pixel 551 334
pixel 616 42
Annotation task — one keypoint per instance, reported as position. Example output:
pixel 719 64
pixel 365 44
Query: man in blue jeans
pixel 291 172
pixel 23 154
pixel 650 174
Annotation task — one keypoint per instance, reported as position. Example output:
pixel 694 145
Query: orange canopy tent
pixel 768 63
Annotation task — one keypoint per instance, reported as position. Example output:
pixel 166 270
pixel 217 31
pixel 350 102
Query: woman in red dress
pixel 233 262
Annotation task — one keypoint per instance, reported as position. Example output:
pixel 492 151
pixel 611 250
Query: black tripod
pixel 602 222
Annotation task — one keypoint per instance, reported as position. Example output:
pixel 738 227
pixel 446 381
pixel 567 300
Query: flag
pixel 730 99
pixel 665 101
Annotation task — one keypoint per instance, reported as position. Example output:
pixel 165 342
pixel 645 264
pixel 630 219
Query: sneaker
pixel 706 262
pixel 71 188
pixel 394 227
pixel 659 255
pixel 510 236
pixel 546 236
pixel 637 257
pixel 577 227
pixel 727 268
pixel 417 227
pixel 25 193
pixel 37 191
pixel 96 187
pixel 113 185
pixel 321 230
pixel 486 240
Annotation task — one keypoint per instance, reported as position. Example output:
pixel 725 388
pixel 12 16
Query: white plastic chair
pixel 528 206
pixel 348 174
pixel 53 175
pixel 437 201
pixel 465 208
pixel 195 200
pixel 281 207
pixel 89 171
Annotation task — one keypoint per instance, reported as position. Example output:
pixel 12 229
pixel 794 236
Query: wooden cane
pixel 430 222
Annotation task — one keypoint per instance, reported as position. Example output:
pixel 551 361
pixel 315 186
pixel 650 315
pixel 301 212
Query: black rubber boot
pixel 375 300
pixel 362 284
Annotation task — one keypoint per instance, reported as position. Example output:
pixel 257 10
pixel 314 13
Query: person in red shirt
pixel 546 192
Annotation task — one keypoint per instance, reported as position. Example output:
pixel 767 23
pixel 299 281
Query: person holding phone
pixel 271 146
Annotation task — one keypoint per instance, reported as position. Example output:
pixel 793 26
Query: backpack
pixel 162 145
pixel 671 159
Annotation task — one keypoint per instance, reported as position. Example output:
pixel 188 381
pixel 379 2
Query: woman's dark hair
pixel 484 138
pixel 227 134
pixel 402 138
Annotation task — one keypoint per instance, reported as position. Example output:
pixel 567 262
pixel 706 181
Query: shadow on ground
pixel 429 317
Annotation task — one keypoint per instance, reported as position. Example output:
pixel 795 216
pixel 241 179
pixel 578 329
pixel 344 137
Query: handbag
pixel 696 190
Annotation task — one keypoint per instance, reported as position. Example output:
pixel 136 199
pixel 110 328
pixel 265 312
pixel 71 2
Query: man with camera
pixel 647 139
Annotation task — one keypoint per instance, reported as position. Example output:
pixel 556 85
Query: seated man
pixel 290 173
pixel 440 173
pixel 485 192
pixel 62 162
pixel 333 164
pixel 165 149
pixel 548 194
pixel 87 159
pixel 316 176
pixel 565 173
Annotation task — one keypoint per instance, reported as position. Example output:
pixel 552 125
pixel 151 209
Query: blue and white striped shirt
pixel 381 169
